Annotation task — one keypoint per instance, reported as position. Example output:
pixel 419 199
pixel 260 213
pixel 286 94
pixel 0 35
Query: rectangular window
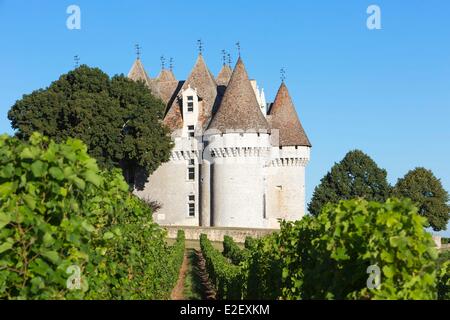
pixel 191 131
pixel 190 98
pixel 191 173
pixel 190 107
pixel 191 205
pixel 264 206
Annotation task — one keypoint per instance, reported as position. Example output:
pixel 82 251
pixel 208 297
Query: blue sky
pixel 386 92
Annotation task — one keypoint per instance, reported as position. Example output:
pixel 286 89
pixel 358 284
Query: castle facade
pixel 237 160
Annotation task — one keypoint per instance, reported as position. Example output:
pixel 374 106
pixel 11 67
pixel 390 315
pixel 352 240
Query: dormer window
pixel 190 106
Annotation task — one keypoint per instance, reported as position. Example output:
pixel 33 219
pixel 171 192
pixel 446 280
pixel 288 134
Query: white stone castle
pixel 237 161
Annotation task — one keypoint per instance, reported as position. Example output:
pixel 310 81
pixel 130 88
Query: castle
pixel 237 161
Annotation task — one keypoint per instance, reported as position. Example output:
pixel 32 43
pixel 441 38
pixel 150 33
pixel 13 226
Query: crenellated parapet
pixel 289 156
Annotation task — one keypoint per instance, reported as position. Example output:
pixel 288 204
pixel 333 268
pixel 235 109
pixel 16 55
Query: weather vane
pixel 163 62
pixel 238 45
pixel 229 60
pixel 282 74
pixel 138 50
pixel 224 57
pixel 77 61
pixel 200 46
pixel 171 64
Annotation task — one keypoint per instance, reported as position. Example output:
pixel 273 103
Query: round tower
pixel 239 146
pixel 289 156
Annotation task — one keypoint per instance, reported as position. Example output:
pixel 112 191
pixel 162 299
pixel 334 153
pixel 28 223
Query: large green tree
pixel 119 119
pixel 422 186
pixel 356 176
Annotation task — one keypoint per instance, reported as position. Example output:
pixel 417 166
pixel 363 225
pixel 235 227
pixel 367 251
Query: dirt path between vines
pixel 207 292
pixel 178 291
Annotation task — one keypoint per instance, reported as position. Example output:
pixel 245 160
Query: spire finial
pixel 163 62
pixel 138 50
pixel 282 74
pixel 76 58
pixel 229 60
pixel 200 46
pixel 171 64
pixel 224 57
pixel 238 45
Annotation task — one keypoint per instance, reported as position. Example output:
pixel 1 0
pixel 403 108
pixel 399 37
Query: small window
pixel 264 207
pixel 191 174
pixel 190 98
pixel 190 107
pixel 191 205
pixel 191 131
pixel 191 209
pixel 192 162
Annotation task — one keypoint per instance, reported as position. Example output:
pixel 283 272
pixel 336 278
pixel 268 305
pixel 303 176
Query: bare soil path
pixel 193 281
pixel 178 291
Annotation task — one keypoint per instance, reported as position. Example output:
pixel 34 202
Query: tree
pixel 356 176
pixel 422 187
pixel 118 119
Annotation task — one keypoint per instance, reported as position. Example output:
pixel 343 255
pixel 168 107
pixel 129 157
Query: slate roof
pixel 282 116
pixel 239 109
pixel 224 75
pixel 137 72
pixel 202 80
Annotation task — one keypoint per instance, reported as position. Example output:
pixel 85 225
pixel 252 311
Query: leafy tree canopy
pixel 356 176
pixel 421 186
pixel 118 119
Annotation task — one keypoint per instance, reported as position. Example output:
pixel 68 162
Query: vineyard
pixel 69 230
pixel 64 219
pixel 327 257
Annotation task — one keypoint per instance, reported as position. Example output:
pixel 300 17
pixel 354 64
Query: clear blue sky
pixel 386 91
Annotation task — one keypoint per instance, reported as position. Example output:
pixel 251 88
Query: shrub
pixel 443 275
pixel 226 277
pixel 262 269
pixel 232 251
pixel 328 257
pixel 58 210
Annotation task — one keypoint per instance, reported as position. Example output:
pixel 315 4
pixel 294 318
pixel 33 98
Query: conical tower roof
pixel 202 80
pixel 224 75
pixel 282 116
pixel 137 72
pixel 239 109
pixel 166 86
pixel 166 75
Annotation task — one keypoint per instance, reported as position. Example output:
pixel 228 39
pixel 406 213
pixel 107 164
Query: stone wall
pixel 217 233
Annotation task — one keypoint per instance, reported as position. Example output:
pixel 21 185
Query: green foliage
pixel 58 210
pixel 356 176
pixel 326 257
pixel 118 119
pixel 443 275
pixel 262 270
pixel 232 251
pixel 226 277
pixel 422 187
pixel 249 242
